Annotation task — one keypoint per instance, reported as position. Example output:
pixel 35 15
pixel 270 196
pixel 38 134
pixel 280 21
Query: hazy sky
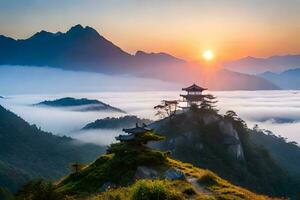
pixel 231 28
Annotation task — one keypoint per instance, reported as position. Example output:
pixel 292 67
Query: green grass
pixel 220 189
pixel 119 167
pixel 116 168
pixel 148 190
pixel 106 168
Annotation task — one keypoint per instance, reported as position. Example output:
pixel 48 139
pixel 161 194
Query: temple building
pixel 194 95
pixel 133 133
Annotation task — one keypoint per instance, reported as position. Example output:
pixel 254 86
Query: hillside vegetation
pixel 223 144
pixel 118 171
pixel 287 154
pixel 116 123
pixel 27 152
pixel 209 186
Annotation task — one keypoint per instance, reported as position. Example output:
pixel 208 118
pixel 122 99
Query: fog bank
pixel 43 80
pixel 278 111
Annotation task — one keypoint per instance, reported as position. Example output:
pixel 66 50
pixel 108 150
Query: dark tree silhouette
pixel 76 167
pixel 208 103
pixel 166 108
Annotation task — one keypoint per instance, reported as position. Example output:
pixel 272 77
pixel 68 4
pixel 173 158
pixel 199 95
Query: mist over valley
pixel 278 111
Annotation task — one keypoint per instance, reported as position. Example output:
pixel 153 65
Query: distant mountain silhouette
pixel 252 65
pixel 78 49
pixel 157 57
pixel 81 105
pixel 127 121
pixel 287 80
pixel 84 49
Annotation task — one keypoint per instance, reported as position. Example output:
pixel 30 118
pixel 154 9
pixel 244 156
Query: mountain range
pixel 84 49
pixel 252 65
pixel 288 79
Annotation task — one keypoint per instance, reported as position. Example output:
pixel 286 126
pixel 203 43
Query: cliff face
pixel 231 139
pixel 226 136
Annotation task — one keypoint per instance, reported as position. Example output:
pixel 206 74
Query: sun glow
pixel 208 55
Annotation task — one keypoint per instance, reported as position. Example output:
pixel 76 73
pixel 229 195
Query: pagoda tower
pixel 133 133
pixel 194 95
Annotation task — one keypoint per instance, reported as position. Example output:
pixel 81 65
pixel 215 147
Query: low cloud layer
pixel 263 108
pixel 43 80
pixel 278 111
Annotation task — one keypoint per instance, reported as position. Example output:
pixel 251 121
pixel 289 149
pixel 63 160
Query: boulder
pixel 107 185
pixel 174 174
pixel 144 172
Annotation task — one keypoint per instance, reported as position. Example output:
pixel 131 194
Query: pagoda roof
pixel 193 97
pixel 137 129
pixel 194 88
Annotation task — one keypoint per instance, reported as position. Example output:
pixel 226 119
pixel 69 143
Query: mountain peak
pixel 42 35
pixel 77 27
pixel 79 30
pixel 140 53
pixel 143 53
pixel 157 56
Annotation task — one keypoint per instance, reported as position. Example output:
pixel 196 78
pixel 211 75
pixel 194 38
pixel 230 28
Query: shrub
pixel 154 190
pixel 208 179
pixel 37 190
pixel 5 194
pixel 189 191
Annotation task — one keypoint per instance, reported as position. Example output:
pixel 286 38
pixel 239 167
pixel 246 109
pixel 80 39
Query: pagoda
pixel 133 133
pixel 194 95
pixel 134 141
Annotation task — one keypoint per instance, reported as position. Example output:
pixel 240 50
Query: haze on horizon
pixel 232 28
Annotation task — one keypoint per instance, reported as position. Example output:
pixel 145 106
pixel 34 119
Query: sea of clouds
pixel 278 111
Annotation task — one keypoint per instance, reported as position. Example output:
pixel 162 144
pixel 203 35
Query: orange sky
pixel 231 28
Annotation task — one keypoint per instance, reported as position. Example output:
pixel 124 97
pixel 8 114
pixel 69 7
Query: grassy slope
pixel 109 167
pixel 118 169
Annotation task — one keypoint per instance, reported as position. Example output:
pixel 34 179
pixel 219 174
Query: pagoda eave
pixel 190 97
pixel 125 137
pixel 137 130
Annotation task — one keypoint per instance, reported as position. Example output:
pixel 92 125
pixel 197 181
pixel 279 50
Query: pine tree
pixel 208 103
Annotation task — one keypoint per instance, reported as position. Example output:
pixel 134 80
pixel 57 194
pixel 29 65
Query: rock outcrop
pixel 174 174
pixel 225 134
pixel 231 139
pixel 144 172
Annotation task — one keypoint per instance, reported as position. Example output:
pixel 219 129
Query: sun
pixel 208 55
